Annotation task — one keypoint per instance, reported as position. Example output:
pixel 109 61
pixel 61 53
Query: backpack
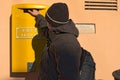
pixel 87 66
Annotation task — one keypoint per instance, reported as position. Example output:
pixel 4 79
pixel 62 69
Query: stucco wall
pixel 104 44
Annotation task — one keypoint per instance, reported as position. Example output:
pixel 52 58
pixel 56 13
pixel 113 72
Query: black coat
pixel 61 56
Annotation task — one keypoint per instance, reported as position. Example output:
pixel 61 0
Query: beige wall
pixel 104 45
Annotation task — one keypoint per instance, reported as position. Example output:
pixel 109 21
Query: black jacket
pixel 61 57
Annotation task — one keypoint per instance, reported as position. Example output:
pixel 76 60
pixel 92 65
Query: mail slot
pixel 22 31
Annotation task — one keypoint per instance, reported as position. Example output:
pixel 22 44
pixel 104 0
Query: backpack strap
pixel 82 58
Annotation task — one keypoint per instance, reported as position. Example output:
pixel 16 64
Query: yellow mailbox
pixel 22 31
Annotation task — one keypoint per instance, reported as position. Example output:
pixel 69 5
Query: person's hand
pixel 33 12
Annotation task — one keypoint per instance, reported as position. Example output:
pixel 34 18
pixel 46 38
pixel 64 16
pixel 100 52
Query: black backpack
pixel 87 66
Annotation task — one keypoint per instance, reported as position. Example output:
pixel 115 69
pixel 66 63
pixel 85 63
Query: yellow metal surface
pixel 23 30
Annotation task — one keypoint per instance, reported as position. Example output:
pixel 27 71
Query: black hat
pixel 57 14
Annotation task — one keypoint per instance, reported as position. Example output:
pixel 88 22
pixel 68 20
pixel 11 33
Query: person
pixel 116 74
pixel 61 57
